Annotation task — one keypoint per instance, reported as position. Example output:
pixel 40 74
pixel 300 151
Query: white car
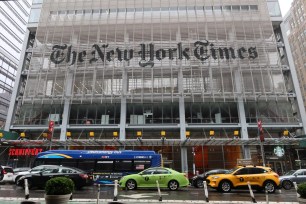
pixel 34 170
pixel 7 174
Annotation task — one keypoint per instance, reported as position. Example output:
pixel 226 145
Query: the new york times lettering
pixel 202 50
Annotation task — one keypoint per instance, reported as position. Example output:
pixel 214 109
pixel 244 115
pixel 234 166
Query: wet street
pixel 190 193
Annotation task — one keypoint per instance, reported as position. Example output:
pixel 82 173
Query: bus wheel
pixel 131 184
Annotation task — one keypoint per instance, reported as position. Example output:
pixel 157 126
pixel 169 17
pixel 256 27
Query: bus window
pixel 87 165
pixel 51 162
pixel 69 162
pixel 123 165
pixel 104 166
pixel 140 165
pixel 38 162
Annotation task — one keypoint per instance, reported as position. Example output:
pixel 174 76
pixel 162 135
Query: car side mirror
pixel 295 175
pixel 41 173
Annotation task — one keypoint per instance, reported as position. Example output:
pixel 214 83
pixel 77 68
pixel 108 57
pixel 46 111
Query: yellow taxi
pixel 259 177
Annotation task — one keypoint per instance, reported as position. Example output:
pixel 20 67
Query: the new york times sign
pixel 202 50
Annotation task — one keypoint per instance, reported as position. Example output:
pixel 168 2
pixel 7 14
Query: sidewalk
pixel 133 201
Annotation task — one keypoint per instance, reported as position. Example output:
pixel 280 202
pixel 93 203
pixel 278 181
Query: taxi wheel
pixel 199 183
pixel 270 186
pixel 287 185
pixel 173 185
pixel 131 184
pixel 225 186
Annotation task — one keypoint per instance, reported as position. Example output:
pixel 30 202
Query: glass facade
pixel 296 25
pixel 147 66
pixel 14 16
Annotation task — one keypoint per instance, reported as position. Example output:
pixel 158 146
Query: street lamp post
pixel 262 139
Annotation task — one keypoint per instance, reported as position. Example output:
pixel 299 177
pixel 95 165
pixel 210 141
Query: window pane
pixel 104 166
pixel 123 165
pixel 87 165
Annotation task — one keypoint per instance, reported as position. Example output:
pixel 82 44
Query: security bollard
pixel 251 192
pixel 115 190
pixel 296 187
pixel 205 191
pixel 98 194
pixel 267 195
pixel 26 189
pixel 159 193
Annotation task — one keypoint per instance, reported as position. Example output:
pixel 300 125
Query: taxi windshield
pixel 290 172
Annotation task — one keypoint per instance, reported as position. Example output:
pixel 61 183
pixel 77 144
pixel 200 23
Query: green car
pixel 167 178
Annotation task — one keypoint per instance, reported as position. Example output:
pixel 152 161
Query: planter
pixel 57 199
pixel 302 200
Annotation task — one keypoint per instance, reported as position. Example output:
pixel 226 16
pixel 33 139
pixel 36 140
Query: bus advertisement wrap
pixel 106 166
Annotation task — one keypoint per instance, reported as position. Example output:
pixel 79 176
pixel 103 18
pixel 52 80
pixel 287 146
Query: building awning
pixel 153 142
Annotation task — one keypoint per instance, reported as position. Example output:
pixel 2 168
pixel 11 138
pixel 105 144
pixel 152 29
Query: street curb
pixel 144 201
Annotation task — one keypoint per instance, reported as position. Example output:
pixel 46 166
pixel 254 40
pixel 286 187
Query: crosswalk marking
pixel 142 195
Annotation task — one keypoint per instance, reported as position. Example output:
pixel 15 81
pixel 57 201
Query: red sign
pixel 24 152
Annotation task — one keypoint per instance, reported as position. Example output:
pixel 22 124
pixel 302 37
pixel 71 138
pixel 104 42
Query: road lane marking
pixel 142 195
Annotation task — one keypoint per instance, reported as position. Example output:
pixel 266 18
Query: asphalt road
pixel 190 193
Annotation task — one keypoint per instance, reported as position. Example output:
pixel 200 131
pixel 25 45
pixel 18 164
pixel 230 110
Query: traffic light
pixel 51 126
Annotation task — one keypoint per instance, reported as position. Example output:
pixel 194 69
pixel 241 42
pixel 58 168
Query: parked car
pixel 297 176
pixel 197 181
pixel 6 174
pixel 167 178
pixel 259 177
pixel 34 170
pixel 20 169
pixel 39 179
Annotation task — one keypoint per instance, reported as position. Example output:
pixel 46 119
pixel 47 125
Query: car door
pixel 300 176
pixel 47 174
pixel 257 176
pixel 69 173
pixel 241 177
pixel 147 178
pixel 162 176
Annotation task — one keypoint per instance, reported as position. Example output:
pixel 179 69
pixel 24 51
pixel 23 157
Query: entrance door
pixel 277 166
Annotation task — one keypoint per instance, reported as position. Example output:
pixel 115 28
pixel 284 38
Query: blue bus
pixel 106 166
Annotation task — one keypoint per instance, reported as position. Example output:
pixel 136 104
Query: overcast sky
pixel 285 6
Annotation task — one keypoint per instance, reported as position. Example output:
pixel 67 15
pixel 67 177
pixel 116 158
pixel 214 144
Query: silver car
pixel 298 176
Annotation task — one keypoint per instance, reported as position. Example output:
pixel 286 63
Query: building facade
pixel 14 17
pixel 296 31
pixel 188 79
